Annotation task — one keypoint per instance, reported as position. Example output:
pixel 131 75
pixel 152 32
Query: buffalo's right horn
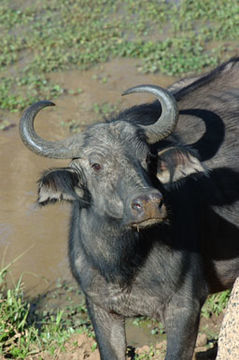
pixel 62 149
pixel 166 123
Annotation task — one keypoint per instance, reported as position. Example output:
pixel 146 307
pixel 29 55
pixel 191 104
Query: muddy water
pixel 23 225
pixel 42 232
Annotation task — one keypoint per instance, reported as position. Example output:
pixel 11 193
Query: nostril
pixel 136 205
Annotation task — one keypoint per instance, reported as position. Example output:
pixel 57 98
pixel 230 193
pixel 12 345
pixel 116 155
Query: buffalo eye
pixel 96 166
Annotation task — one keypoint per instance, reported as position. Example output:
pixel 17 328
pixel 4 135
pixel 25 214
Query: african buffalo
pixel 155 203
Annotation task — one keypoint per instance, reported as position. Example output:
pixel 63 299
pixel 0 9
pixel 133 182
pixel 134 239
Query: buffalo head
pixel 109 171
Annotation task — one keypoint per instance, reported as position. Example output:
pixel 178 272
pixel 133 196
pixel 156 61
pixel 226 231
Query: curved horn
pixel 166 123
pixel 63 149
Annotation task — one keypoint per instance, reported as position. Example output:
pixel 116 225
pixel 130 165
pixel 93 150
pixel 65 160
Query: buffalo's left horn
pixel 166 123
pixel 62 149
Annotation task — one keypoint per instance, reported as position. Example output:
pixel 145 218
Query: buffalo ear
pixel 59 184
pixel 175 163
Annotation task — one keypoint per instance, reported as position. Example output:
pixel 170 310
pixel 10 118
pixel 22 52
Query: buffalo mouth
pixel 147 222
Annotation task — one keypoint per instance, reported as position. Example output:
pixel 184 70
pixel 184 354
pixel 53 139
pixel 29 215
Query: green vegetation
pixel 30 327
pixel 216 303
pixel 152 353
pixel 40 37
pixel 105 110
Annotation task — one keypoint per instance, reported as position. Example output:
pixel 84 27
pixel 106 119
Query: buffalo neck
pixel 114 250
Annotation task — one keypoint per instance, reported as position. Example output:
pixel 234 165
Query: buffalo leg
pixel 182 327
pixel 110 332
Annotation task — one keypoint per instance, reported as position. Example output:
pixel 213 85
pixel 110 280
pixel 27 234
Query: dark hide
pixel 161 267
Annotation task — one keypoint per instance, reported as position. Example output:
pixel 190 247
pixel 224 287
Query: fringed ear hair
pixel 59 184
pixel 175 163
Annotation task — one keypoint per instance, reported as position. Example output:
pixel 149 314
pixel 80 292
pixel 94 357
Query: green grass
pixel 152 353
pixel 47 36
pixel 215 304
pixel 28 327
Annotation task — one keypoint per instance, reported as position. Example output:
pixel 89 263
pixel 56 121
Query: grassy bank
pixel 173 37
pixel 32 326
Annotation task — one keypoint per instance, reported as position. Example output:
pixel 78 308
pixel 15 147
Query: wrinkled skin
pixel 154 228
